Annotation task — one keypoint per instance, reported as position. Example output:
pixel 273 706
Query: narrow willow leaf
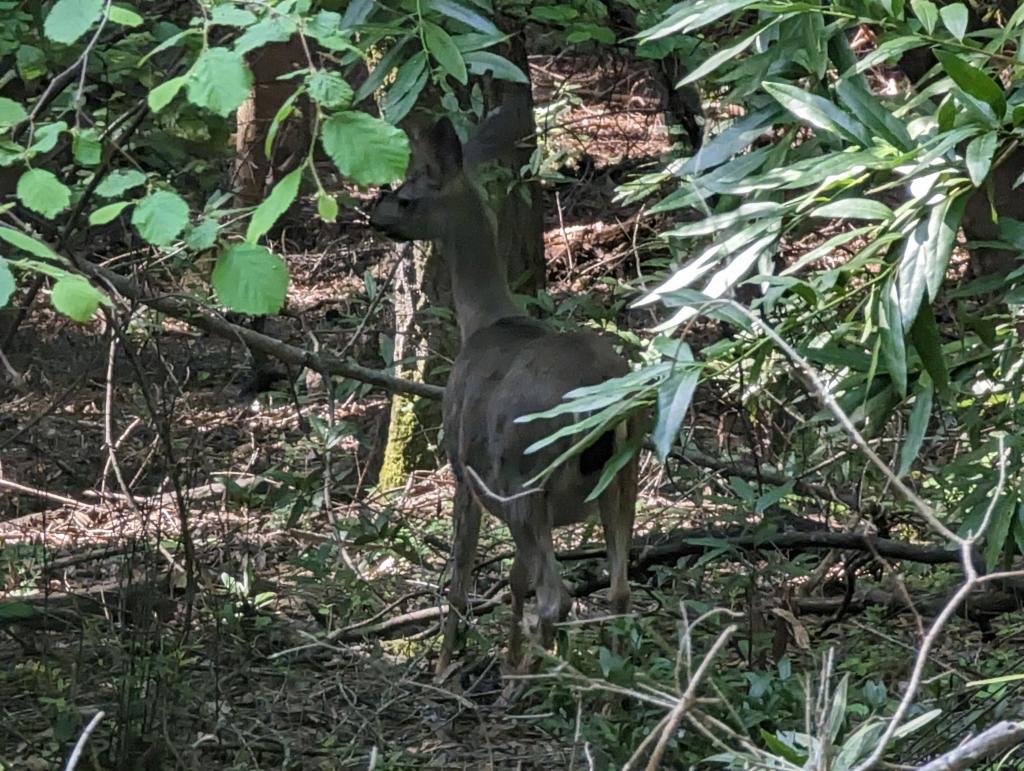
pixel 614 465
pixel 273 206
pixel 716 222
pixel 674 397
pixel 917 425
pixel 979 156
pixel 728 53
pixel 894 350
pixel 482 62
pixel 685 17
pixel 928 343
pixel 869 109
pixel 854 209
pixel 467 16
pixel 973 82
pixel 819 112
pixel 954 18
pixel 998 530
pixel 444 51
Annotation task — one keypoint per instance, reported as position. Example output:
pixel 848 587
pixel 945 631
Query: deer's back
pixel 516 367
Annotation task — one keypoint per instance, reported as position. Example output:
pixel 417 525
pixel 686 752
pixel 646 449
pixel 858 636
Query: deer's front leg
pixel 466 533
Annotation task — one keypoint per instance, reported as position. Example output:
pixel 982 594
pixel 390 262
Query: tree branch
pixel 992 741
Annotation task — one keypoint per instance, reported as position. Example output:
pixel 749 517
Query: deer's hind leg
pixel 618 512
pixel 466 534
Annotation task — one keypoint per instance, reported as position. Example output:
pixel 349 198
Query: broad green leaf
pixel 954 18
pixel 467 16
pixel 674 397
pixel 482 62
pixel 927 14
pixel 126 17
pixel 249 278
pixel 365 149
pixel 274 205
pixel 611 468
pixel 162 95
pixel 118 182
pixel 28 244
pixel 232 16
pixel 973 81
pixel 271 29
pixel 917 425
pixel 160 217
pixel 11 112
pixel 202 235
pixel 329 89
pixel 327 207
pixel 819 112
pixel 854 209
pixel 444 51
pixel 219 81
pixel 86 147
pixel 108 213
pixel 45 137
pixel 31 62
pixel 76 298
pixel 43 193
pixel 979 156
pixel 68 20
pixel 6 282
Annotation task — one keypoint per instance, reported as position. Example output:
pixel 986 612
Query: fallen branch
pixel 201 318
pixel 992 741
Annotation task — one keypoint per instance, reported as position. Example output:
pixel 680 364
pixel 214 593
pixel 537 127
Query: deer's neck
pixel 479 276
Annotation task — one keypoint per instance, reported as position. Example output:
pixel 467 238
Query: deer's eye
pixel 404 203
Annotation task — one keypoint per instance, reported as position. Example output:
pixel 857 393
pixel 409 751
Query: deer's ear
pixel 447 147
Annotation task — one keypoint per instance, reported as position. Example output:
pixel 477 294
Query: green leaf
pixel 917 425
pixel 854 209
pixel 444 51
pixel 31 62
pixel 927 14
pixel 68 20
pixel 108 213
pixel 86 147
pixel 126 17
pixel 403 93
pixel 6 282
pixel 43 193
pixel 329 89
pixel 365 149
pixel 954 17
pixel 326 207
pixel 999 528
pixel 162 95
pixel 611 468
pixel 674 397
pixel 28 244
pixel 870 111
pixel 76 298
pixel 726 54
pixel 469 17
pixel 928 344
pixel 118 182
pixel 11 112
pixel 482 62
pixel 249 278
pixel 202 235
pixel 160 217
pixel 894 348
pixel 819 112
pixel 16 611
pixel 232 16
pixel 272 29
pixel 973 82
pixel 979 156
pixel 46 136
pixel 219 81
pixel 273 206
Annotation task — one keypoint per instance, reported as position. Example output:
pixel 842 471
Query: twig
pixel 993 740
pixel 46 495
pixel 76 753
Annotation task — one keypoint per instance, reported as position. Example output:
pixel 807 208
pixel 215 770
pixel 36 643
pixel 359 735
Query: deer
pixel 509 366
